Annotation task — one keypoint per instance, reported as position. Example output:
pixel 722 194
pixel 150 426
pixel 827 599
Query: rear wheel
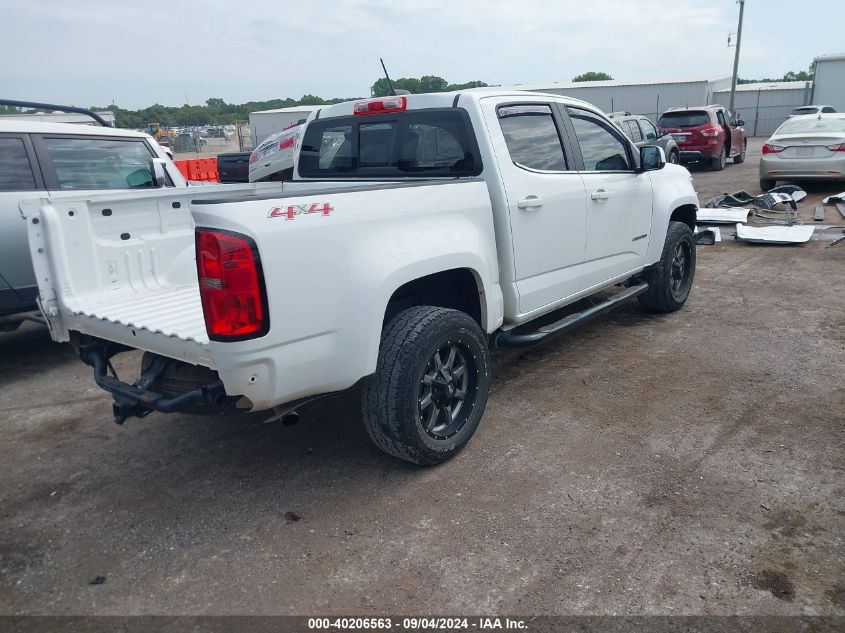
pixel 766 184
pixel 717 163
pixel 670 279
pixel 674 157
pixel 430 387
pixel 741 158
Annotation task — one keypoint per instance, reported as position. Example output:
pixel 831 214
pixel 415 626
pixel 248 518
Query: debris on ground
pixel 837 197
pixel 786 194
pixel 795 234
pixel 707 235
pixel 722 215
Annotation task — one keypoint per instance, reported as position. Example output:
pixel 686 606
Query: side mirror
pixel 740 123
pixel 158 171
pixel 652 158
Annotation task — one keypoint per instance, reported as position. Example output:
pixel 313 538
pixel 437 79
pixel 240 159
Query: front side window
pixel 601 148
pixel 532 137
pixel 649 130
pixel 15 170
pixel 416 143
pixel 100 163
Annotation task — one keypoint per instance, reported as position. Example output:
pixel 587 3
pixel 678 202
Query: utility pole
pixel 736 54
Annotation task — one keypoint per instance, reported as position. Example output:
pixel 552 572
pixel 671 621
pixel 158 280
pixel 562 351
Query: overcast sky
pixel 136 53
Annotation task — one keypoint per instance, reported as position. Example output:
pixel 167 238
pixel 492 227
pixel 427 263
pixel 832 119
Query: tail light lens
pixel 710 132
pixel 287 142
pixel 234 300
pixel 772 149
pixel 253 157
pixel 837 148
pixel 378 106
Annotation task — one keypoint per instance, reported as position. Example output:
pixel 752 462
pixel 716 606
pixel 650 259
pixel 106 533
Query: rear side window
pixel 416 143
pixel 633 131
pixel 687 118
pixel 532 137
pixel 15 170
pixel 89 163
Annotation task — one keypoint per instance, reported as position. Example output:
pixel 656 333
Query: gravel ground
pixel 682 464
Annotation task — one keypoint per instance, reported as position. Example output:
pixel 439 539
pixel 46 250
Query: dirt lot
pixel 687 464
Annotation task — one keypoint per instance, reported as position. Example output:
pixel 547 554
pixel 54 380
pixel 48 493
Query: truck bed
pixel 123 267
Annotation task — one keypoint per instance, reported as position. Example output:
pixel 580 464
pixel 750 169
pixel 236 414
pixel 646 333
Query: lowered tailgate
pixel 123 268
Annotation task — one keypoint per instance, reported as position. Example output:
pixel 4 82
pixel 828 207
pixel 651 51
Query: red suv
pixel 708 134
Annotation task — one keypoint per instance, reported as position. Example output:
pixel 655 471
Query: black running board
pixel 510 339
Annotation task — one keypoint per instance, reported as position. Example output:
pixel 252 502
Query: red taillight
pixel 287 142
pixel 837 148
pixel 378 106
pixel 253 157
pixel 710 132
pixel 772 149
pixel 234 302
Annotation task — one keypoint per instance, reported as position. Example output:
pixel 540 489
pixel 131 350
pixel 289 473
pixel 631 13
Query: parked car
pixel 807 147
pixel 813 109
pixel 709 134
pixel 43 159
pixel 418 231
pixel 273 158
pixel 642 131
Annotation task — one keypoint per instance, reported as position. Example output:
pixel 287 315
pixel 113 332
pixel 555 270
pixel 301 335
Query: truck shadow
pixel 28 350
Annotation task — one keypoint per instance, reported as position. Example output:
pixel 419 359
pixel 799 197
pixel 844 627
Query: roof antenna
pixel 389 83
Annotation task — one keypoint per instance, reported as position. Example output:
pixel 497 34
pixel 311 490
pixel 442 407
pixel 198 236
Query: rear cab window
pixel 95 163
pixel 421 143
pixel 686 118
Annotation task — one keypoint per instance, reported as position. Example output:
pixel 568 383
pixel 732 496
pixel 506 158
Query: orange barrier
pixel 199 169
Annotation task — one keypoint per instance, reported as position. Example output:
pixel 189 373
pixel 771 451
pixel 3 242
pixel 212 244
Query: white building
pixel 829 81
pixel 265 123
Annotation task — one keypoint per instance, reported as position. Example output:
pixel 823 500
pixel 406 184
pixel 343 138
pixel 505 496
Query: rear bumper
pixel 136 400
pixel 807 168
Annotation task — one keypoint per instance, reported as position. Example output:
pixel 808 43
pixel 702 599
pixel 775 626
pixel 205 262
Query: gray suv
pixel 642 131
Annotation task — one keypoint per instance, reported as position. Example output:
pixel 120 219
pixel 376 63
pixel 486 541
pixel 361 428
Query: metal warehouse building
pixel 763 106
pixel 829 84
pixel 650 98
pixel 265 123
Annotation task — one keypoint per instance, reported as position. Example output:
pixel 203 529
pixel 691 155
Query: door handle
pixel 599 194
pixel 529 202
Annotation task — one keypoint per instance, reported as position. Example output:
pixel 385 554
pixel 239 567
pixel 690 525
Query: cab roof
pixel 43 127
pixel 448 100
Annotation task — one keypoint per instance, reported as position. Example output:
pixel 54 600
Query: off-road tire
pixel 392 400
pixel 765 184
pixel 717 163
pixel 740 158
pixel 663 295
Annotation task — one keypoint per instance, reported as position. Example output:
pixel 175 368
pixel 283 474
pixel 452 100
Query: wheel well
pixel 456 289
pixel 686 214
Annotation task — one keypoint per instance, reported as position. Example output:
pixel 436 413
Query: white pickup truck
pixel 418 231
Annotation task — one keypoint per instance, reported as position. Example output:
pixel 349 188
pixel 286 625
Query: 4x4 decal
pixel 292 210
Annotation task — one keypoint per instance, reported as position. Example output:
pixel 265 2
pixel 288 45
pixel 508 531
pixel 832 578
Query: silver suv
pixel 642 131
pixel 39 160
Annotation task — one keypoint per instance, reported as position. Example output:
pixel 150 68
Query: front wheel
pixel 674 157
pixel 670 279
pixel 430 387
